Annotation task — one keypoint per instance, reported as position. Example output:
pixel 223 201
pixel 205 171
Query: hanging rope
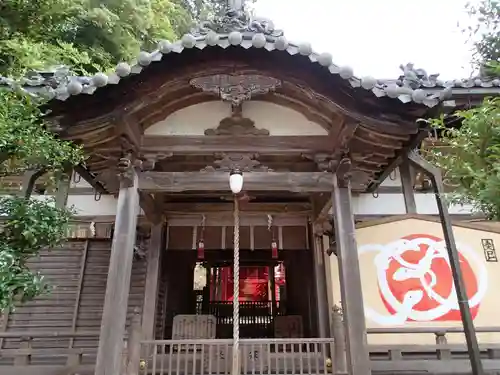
pixel 236 292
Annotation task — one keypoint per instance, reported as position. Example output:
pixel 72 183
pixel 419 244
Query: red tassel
pixel 201 250
pixel 274 249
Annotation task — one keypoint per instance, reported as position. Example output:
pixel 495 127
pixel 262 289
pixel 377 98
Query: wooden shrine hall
pixel 238 153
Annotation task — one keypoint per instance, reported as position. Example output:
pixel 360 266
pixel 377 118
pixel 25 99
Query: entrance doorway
pixel 269 289
pixel 262 297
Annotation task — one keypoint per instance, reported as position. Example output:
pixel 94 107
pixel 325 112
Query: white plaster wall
pixel 81 182
pixel 363 205
pixel 394 204
pixel 86 205
pixel 195 119
pixel 393 180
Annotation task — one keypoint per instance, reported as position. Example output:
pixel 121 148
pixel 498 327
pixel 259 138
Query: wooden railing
pixel 33 355
pixel 257 356
pixel 30 357
pixel 441 358
pixel 26 353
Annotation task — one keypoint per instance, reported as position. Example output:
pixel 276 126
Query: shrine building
pixel 249 207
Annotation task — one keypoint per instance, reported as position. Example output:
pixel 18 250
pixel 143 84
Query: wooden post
pixel 152 280
pixel 405 174
pixel 463 301
pixel 339 340
pixel 24 358
pixel 29 179
pixel 78 297
pixel 358 362
pixel 134 345
pixel 62 190
pixel 120 270
pixel 320 286
pixel 272 279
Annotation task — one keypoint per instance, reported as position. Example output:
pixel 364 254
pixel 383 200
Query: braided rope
pixel 236 292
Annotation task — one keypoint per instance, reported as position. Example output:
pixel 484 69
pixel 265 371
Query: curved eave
pixel 138 89
pixel 82 86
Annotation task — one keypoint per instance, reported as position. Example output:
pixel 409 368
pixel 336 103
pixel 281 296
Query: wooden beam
pixel 400 157
pixel 219 181
pixel 259 144
pixel 151 206
pixel 321 204
pixel 244 207
pixel 29 179
pixel 87 176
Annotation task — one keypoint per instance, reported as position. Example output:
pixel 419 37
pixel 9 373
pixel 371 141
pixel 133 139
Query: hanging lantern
pixel 274 249
pixel 274 244
pixel 201 250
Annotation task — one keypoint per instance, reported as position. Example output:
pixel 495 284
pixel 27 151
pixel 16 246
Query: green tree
pixel 201 10
pixel 471 162
pixel 87 36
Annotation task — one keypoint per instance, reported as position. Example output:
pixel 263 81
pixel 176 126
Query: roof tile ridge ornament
pixel 415 78
pixel 237 18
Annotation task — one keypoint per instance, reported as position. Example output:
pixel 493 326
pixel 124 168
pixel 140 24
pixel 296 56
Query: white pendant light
pixel 236 181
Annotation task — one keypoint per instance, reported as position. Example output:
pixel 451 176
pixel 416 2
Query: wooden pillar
pixel 152 280
pixel 29 179
pixel 272 282
pixel 320 286
pixel 109 355
pixel 405 174
pixel 358 362
pixel 62 191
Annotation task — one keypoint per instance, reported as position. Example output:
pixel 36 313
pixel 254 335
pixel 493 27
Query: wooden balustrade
pixel 441 358
pixel 28 359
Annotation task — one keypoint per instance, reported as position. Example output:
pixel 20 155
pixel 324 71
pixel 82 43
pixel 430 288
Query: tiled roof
pixel 236 28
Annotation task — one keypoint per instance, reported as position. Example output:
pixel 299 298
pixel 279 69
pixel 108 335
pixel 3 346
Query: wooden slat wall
pixel 94 289
pixel 53 311
pixel 77 296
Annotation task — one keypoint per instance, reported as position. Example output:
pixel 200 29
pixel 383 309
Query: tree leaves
pixel 88 36
pixel 29 226
pixel 471 163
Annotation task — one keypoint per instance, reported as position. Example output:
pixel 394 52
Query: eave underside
pixel 374 132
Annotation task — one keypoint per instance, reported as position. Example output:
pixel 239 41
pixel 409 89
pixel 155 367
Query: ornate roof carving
pixel 237 20
pixel 236 124
pixel 236 88
pixel 226 162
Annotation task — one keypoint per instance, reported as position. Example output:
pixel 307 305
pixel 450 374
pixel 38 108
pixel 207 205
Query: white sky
pixel 375 36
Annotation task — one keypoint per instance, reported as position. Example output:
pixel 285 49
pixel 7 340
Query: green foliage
pixel 25 143
pixel 485 34
pixel 88 36
pixel 470 162
pixel 204 9
pixel 29 227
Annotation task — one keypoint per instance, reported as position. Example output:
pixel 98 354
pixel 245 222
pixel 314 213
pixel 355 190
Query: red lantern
pixel 274 249
pixel 201 250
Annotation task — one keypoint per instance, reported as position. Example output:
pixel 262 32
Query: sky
pixel 375 37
